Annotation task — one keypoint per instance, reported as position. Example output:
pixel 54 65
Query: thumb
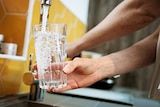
pixel 69 68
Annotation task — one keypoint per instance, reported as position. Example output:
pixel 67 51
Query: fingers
pixel 71 66
pixel 59 65
pixel 55 66
pixel 68 68
pixel 59 89
pixel 71 84
pixel 62 89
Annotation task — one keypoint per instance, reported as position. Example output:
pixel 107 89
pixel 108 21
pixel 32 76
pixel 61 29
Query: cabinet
pixel 15 24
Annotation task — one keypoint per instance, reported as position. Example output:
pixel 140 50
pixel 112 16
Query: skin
pixel 126 18
pixel 83 72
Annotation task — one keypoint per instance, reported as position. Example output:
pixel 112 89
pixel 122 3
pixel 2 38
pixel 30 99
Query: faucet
pixel 47 3
pixel 35 93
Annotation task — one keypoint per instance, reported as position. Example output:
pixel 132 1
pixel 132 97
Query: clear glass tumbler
pixel 50 51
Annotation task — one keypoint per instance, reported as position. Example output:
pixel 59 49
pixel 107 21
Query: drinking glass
pixel 50 52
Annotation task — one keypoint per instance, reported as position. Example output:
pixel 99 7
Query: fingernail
pixel 66 69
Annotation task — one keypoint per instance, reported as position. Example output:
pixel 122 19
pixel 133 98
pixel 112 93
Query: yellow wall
pixel 12 71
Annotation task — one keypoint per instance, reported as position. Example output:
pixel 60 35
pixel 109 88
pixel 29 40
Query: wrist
pixel 78 47
pixel 107 67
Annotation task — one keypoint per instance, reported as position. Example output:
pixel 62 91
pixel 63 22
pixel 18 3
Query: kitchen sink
pixel 69 99
pixel 22 101
pixel 84 97
pixel 29 104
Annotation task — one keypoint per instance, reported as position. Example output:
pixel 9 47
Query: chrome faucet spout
pixel 46 3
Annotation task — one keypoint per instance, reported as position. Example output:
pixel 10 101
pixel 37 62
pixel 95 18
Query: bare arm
pixel 139 55
pixel 127 17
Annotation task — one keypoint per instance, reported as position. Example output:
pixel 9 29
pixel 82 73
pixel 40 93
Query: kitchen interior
pixel 16 20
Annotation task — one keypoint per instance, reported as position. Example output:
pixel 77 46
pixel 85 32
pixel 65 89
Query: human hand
pixel 82 72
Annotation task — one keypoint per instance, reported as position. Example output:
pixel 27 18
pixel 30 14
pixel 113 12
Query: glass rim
pixel 51 24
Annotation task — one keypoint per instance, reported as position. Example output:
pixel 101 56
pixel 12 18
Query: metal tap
pixel 36 93
pixel 46 3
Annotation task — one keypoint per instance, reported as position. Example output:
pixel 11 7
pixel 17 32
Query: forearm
pixel 139 55
pixel 132 58
pixel 127 17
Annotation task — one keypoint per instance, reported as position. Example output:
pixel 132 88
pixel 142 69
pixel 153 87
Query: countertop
pixel 85 97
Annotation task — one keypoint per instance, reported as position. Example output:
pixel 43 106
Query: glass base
pixel 51 84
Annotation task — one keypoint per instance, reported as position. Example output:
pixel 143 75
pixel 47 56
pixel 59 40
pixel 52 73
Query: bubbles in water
pixel 50 48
